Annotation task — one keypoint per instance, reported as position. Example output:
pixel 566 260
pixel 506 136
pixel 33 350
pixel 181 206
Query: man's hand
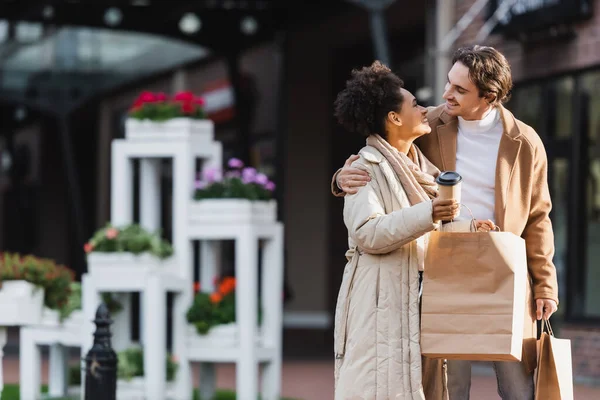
pixel 350 179
pixel 545 308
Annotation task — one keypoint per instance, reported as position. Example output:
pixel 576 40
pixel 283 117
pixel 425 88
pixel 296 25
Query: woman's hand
pixel 351 179
pixel 444 210
pixel 484 226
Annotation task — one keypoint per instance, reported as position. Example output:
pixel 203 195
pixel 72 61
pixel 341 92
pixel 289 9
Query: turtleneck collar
pixel 481 125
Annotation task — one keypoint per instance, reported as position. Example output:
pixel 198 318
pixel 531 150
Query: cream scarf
pixel 416 174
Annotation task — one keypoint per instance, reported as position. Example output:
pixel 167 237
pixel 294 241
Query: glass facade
pixel 565 111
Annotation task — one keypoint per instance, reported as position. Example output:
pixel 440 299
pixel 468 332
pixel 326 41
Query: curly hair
pixel 488 70
pixel 371 93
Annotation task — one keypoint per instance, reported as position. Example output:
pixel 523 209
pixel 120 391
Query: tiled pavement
pixel 313 380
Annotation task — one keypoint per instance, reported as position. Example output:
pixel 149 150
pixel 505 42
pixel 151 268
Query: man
pixel 504 167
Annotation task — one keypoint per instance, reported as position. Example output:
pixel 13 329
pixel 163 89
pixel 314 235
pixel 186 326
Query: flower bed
pixel 55 280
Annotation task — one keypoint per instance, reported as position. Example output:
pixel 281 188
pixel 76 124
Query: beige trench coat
pixel 377 321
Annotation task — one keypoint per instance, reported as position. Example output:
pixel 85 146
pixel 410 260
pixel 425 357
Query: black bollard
pixel 101 361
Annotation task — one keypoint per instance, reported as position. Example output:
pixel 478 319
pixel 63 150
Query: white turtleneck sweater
pixel 476 155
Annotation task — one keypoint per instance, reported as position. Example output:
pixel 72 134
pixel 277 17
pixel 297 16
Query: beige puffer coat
pixel 377 321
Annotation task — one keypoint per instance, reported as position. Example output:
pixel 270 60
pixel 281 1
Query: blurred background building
pixel 270 70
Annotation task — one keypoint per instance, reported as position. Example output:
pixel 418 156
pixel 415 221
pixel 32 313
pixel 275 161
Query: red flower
pixel 88 247
pixel 196 287
pixel 160 97
pixel 216 297
pixel 187 108
pixel 199 101
pixel 185 97
pixel 144 98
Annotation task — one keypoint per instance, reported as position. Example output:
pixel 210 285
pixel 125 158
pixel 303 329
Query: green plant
pixel 73 301
pixel 160 107
pixel 237 183
pixel 56 280
pixel 131 364
pixel 217 308
pixel 132 238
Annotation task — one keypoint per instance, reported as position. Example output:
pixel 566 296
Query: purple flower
pixel 270 186
pixel 261 179
pixel 200 184
pixel 248 175
pixel 233 174
pixel 212 175
pixel 235 163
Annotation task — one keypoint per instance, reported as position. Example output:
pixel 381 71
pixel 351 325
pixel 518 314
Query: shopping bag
pixel 554 375
pixel 475 302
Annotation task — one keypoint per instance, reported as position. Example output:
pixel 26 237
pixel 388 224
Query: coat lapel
pixel 508 152
pixel 447 135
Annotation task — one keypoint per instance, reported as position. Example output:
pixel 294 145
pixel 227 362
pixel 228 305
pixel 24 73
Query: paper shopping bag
pixel 475 301
pixel 554 375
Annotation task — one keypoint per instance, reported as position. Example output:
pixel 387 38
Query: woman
pixel 377 320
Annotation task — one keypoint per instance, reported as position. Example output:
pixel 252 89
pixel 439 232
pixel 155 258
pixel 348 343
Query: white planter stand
pixel 127 267
pixel 173 129
pixel 21 303
pixel 59 336
pixel 134 389
pixel 232 211
pixel 246 345
pixel 220 336
pixel 209 221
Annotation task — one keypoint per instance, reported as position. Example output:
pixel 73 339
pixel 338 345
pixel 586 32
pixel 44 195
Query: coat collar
pixel 508 151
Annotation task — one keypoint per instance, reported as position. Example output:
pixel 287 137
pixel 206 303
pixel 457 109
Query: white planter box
pixel 52 318
pixel 174 129
pixel 233 211
pixel 223 336
pixel 21 303
pixel 124 265
pixel 134 389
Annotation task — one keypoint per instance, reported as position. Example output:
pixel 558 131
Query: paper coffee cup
pixel 449 184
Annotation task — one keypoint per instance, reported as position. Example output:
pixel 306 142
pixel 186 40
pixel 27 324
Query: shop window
pixel 591 84
pixel 526 105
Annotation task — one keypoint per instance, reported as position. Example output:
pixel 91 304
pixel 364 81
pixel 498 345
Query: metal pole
pixel 444 17
pixel 378 26
pixel 73 185
pixel 101 361
pixel 378 33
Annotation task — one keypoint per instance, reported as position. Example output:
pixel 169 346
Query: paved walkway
pixel 313 380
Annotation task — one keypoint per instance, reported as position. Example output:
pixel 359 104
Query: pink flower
pixel 270 186
pixel 212 175
pixel 200 184
pixel 261 179
pixel 112 233
pixel 235 163
pixel 88 247
pixel 233 174
pixel 248 175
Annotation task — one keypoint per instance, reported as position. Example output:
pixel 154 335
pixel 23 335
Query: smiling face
pixel 411 122
pixel 462 97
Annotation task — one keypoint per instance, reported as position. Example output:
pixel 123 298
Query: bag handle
pixel 473 223
pixel 547 326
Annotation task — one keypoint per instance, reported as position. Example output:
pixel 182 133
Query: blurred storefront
pixel 287 80
pixel 554 50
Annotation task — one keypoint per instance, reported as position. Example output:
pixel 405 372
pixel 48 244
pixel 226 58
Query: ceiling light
pixel 113 16
pixel 48 12
pixel 249 25
pixel 190 23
